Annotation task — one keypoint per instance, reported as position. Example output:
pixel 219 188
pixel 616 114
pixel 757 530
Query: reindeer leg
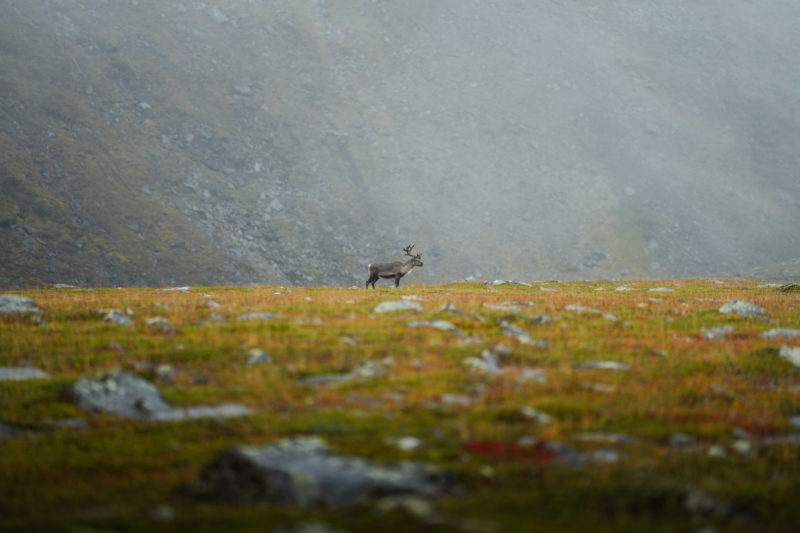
pixel 396 282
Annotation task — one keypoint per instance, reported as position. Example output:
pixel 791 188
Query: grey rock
pixel 115 317
pixel 15 373
pixel 532 374
pixel 368 370
pixel 398 305
pixel 13 303
pixel 791 354
pixel 258 357
pixel 742 308
pixel 717 333
pixel 122 394
pixel 304 472
pixel 256 316
pixel 590 310
pixel 510 330
pixel 602 365
pixel 441 325
pixel 781 333
pixel 605 456
pixel 540 417
pixel 487 363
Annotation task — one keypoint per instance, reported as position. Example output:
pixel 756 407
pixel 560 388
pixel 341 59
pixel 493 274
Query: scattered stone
pixel 125 395
pixel 532 374
pixel 681 440
pixel 175 289
pixel 412 505
pixel 202 411
pixel 13 304
pixel 743 446
pixel 455 399
pixel 398 305
pixel 487 363
pixel 790 287
pixel 160 323
pixel 717 333
pixel 602 365
pixel 369 370
pixel 510 330
pixel 622 288
pixel 17 373
pixel 304 472
pixel 498 282
pixel 604 456
pixel 256 316
pixel 791 354
pixel 716 451
pixel 600 387
pixel 453 309
pixel 258 357
pixel 590 310
pixel 604 437
pixel 540 417
pixel 660 289
pixel 408 444
pixel 700 503
pixel 162 513
pixel 742 308
pixel 794 421
pixel 441 325
pixel 781 333
pixel 115 317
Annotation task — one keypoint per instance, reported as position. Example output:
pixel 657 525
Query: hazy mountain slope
pixel 293 142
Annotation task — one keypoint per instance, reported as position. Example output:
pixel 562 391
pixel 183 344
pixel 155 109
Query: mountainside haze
pixel 279 142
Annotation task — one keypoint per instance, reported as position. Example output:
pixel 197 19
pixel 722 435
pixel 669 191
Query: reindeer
pixel 395 269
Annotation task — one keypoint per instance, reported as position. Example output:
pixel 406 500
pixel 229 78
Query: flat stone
pixel 781 333
pixel 441 325
pixel 16 373
pixel 742 308
pixel 13 303
pixel 717 332
pixel 602 365
pixel 397 305
pixel 303 472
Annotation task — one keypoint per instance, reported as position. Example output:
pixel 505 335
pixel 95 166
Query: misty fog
pixel 283 142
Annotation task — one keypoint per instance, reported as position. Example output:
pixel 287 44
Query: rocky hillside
pixel 155 143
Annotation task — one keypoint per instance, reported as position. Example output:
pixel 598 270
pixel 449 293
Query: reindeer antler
pixel 408 249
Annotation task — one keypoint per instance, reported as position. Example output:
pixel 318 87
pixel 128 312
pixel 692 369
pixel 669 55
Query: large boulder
pixel 304 472
pixel 13 304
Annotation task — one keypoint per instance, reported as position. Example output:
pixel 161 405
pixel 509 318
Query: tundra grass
pixel 692 432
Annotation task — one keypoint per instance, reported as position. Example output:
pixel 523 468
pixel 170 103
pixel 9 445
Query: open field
pixel 553 405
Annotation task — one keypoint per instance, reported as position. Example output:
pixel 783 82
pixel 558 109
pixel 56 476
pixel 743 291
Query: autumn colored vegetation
pixel 619 407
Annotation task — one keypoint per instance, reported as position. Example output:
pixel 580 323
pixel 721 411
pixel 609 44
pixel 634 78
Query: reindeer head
pixel 415 258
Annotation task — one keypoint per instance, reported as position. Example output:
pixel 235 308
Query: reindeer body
pixel 395 269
